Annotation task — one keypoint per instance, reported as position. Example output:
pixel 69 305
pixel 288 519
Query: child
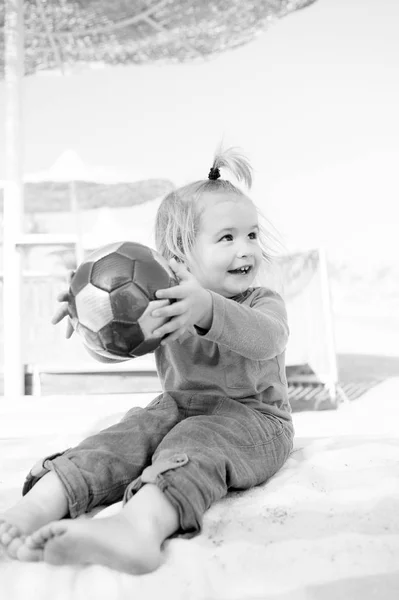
pixel 222 422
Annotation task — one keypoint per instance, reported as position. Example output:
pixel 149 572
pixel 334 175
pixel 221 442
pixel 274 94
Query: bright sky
pixel 313 102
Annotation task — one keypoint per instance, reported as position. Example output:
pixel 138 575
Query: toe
pixel 28 554
pixel 40 537
pixel 8 533
pixel 31 543
pixel 13 546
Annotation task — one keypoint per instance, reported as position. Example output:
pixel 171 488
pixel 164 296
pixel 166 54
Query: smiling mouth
pixel 241 271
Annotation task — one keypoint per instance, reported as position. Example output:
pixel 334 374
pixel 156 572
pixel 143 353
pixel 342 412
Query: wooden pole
pixel 74 204
pixel 332 382
pixel 13 199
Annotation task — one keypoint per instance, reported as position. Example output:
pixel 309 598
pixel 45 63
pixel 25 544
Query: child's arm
pixel 258 331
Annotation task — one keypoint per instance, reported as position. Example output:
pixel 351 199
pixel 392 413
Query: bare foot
pixel 11 537
pixel 45 502
pixel 17 522
pixel 115 542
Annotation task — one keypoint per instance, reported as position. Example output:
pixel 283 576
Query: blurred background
pixel 313 102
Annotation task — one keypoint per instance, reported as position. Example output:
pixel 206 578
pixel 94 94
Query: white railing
pixel 41 341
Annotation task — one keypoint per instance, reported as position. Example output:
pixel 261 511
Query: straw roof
pixel 63 34
pixel 54 196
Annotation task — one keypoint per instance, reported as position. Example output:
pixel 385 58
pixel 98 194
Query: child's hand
pixel 149 323
pixel 193 306
pixel 62 311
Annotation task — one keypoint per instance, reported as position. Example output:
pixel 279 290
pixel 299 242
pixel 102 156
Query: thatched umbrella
pixel 94 186
pixel 71 185
pixel 63 34
pixel 60 34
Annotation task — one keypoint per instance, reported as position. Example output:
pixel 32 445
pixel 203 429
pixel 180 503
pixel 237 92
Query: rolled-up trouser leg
pixel 97 471
pixel 203 456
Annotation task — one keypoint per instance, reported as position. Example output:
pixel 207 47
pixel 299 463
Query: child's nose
pixel 244 249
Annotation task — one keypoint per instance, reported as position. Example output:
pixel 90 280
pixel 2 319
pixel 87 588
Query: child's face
pixel 217 252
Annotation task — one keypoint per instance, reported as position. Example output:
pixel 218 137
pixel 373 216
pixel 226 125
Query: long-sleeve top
pixel 241 356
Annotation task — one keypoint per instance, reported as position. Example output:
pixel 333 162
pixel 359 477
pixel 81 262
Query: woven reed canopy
pixel 48 196
pixel 64 34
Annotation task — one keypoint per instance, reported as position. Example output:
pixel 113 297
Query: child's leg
pixel 45 502
pixel 96 472
pixel 233 446
pixel 129 541
pixel 194 465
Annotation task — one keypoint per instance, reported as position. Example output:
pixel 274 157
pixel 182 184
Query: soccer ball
pixel 109 292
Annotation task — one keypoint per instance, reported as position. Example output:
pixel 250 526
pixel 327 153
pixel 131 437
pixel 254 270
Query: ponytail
pixel 235 162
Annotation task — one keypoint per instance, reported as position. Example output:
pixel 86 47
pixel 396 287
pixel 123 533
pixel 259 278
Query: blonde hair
pixel 178 216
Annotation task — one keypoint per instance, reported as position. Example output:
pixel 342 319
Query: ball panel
pixel 90 338
pixel 135 251
pixel 81 277
pixel 93 307
pixel 103 251
pixel 112 271
pixel 151 277
pixel 163 262
pixel 128 303
pixel 120 338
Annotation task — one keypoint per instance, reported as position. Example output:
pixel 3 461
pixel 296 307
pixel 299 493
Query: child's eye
pixel 254 234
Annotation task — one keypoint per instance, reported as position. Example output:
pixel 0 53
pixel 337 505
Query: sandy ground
pixel 325 527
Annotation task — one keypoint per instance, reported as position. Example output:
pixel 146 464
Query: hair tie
pixel 214 174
